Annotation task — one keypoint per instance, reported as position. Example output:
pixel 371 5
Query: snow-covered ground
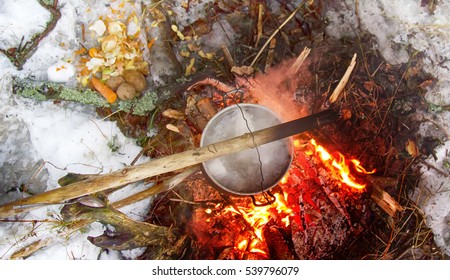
pixel 42 141
pixel 48 140
pixel 398 25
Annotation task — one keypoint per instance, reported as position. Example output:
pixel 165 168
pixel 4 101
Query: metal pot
pixel 252 171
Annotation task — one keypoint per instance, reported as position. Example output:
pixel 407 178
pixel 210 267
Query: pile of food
pixel 116 67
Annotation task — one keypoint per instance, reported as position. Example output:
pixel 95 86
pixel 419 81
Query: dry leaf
pixel 185 53
pixel 193 47
pixel 173 128
pixel 173 114
pixel 205 55
pixel 346 114
pixel 411 148
pixel 189 68
pixel 370 85
pixel 426 84
pixel 243 70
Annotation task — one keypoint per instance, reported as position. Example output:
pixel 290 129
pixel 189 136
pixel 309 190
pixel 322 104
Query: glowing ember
pixel 242 245
pixel 258 217
pixel 256 250
pixel 340 167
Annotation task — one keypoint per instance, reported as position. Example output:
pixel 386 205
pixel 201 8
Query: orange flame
pixel 258 217
pixel 340 167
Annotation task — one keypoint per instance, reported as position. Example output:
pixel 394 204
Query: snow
pixel 221 34
pixel 17 22
pixel 397 26
pixel 196 10
pixel 60 72
pixel 433 193
pixel 75 135
pixel 48 139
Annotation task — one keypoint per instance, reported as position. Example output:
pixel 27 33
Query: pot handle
pixel 270 198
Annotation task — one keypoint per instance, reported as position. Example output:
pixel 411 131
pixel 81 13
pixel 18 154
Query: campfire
pixel 311 211
pixel 310 214
pixel 280 212
pixel 239 229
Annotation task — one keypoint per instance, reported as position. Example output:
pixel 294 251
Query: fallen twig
pixel 300 59
pixel 275 33
pixel 339 88
pixel 30 249
pixel 228 57
pixel 270 54
pixel 19 56
pixel 164 186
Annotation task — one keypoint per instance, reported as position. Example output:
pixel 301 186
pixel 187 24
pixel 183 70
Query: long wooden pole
pixel 167 164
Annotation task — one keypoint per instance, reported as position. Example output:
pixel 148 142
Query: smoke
pixel 240 172
pixel 277 89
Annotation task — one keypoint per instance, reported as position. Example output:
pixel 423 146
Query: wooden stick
pixel 30 249
pixel 275 33
pixel 228 57
pixel 338 90
pixel 384 200
pixel 270 54
pixel 299 61
pixel 167 164
pixel 164 186
pixel 259 25
pixel 22 53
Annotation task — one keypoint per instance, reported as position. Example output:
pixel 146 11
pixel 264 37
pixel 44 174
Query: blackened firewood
pixel 279 247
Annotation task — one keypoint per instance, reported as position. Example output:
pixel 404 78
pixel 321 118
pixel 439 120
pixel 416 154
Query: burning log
pixel 321 229
pixel 279 246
